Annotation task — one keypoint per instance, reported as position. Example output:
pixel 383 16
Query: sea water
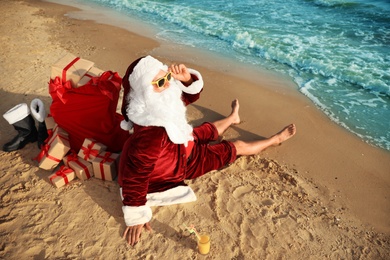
pixel 336 51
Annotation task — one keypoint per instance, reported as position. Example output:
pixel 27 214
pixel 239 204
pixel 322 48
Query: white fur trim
pixel 144 72
pixel 17 113
pixel 136 215
pixel 178 135
pixel 177 195
pixel 38 109
pixel 126 125
pixel 196 86
pixel 143 214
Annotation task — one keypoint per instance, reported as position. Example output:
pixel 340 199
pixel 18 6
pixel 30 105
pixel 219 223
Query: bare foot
pixel 286 133
pixel 234 115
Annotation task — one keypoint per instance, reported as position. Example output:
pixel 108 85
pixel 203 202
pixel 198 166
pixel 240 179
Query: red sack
pixel 89 111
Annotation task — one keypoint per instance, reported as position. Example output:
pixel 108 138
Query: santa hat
pixel 126 123
pixel 139 76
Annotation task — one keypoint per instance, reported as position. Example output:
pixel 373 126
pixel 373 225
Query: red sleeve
pixel 139 161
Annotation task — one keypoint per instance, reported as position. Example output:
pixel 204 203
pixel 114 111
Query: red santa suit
pixel 164 150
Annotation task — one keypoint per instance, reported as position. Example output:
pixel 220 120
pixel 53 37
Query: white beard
pixel 165 109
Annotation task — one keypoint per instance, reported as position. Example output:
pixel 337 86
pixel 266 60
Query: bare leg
pixel 232 119
pixel 255 147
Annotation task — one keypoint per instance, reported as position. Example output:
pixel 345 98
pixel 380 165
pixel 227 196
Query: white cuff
pixel 17 113
pixel 126 125
pixel 176 195
pixel 38 109
pixel 195 87
pixel 136 215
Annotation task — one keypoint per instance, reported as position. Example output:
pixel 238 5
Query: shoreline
pixel 323 193
pixel 191 55
pixel 176 52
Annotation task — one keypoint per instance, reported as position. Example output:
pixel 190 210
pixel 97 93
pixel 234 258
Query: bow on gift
pixel 46 146
pixel 59 88
pixel 62 173
pixel 74 158
pixel 45 151
pixel 105 158
pixel 106 81
pixel 88 152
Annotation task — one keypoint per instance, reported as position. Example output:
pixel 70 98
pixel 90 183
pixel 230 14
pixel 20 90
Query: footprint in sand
pixel 268 202
pixel 241 191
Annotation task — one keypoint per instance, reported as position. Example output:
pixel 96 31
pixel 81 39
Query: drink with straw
pixel 203 240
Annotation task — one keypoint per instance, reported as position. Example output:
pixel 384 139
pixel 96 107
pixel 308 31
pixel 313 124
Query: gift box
pixel 49 122
pixel 93 72
pixel 105 166
pixel 70 68
pixel 56 131
pixel 62 177
pixel 82 168
pixel 53 150
pixel 90 149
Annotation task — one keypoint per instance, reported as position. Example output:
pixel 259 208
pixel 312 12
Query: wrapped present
pixel 90 149
pixel 49 122
pixel 92 73
pixel 56 131
pixel 53 150
pixel 105 166
pixel 70 68
pixel 82 168
pixel 62 177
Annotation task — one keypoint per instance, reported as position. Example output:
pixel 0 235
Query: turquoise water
pixel 336 51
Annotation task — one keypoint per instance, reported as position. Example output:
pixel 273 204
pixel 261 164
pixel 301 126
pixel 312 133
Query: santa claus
pixel 164 150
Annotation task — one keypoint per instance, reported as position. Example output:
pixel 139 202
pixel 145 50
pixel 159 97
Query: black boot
pixel 39 113
pixel 42 134
pixel 21 119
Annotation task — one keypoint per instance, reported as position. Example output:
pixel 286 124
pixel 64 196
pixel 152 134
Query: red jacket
pixel 150 162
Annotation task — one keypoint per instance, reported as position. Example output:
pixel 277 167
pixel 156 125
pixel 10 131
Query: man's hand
pixel 133 233
pixel 180 72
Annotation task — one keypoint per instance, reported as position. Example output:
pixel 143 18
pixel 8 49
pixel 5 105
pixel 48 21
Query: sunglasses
pixel 161 81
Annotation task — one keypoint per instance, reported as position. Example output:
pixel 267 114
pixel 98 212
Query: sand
pixel 324 194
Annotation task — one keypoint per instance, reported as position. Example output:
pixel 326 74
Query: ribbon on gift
pixel 74 158
pixel 88 151
pixel 67 67
pixel 51 135
pixel 59 88
pixel 46 146
pixel 62 173
pixel 45 152
pixel 105 158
